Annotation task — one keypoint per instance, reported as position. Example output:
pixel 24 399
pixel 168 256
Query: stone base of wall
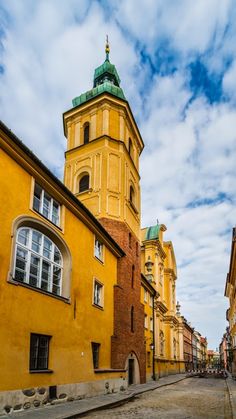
pixel 149 377
pixel 19 400
pixel 164 368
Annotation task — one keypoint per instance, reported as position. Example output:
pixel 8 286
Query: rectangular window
pixel 46 205
pixel 98 294
pixel 39 352
pixel 148 359
pixel 151 324
pixel 145 296
pixel 95 352
pixel 98 250
pixel 145 321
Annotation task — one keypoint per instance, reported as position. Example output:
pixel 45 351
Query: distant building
pixel 224 352
pixel 188 345
pixel 213 359
pixel 230 292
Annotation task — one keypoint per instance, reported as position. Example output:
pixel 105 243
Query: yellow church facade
pixel 159 267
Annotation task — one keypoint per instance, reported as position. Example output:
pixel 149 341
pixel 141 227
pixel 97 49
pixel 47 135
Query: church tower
pixel 102 171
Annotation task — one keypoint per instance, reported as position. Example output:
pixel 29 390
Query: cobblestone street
pixel 193 398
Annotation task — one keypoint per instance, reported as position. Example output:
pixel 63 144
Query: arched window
pixel 174 347
pixel 131 194
pixel 132 319
pixel 130 240
pixel 132 276
pixel 130 148
pixel 86 133
pixel 161 337
pixel 84 183
pixel 136 248
pixel 38 261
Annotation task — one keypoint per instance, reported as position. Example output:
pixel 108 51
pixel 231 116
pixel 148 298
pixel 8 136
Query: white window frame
pixel 97 285
pixel 145 298
pixel 30 253
pixel 52 203
pixel 99 254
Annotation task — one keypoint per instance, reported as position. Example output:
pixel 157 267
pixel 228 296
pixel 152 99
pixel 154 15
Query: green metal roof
pixel 105 79
pixel 101 88
pixel 152 232
pixel 106 69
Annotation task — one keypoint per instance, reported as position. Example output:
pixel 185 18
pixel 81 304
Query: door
pixel 131 372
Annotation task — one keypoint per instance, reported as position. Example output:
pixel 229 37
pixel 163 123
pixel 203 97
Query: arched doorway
pixel 132 368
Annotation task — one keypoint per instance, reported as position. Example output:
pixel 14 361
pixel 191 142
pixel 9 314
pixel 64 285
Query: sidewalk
pixel 231 383
pixel 78 408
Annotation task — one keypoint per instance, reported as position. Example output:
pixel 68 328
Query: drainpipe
pixel 153 352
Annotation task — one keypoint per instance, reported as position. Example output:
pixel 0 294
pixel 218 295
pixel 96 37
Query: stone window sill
pixel 104 370
pixel 41 371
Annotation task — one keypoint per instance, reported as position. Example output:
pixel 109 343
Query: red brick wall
pixel 124 340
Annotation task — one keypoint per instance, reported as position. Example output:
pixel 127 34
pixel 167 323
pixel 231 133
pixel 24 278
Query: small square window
pixel 145 321
pixel 98 250
pixel 39 352
pixel 98 294
pixel 95 352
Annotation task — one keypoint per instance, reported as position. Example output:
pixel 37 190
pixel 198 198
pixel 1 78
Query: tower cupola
pixel 106 79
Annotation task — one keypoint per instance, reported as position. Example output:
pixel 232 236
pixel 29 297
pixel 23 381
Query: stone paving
pixel 194 398
pixel 187 397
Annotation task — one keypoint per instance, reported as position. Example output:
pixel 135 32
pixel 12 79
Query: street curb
pixel 159 386
pixel 118 403
pixel 97 408
pixel 231 400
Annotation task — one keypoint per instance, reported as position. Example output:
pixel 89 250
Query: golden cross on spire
pixel 107 49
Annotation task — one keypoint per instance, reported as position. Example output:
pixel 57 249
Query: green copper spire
pixel 105 79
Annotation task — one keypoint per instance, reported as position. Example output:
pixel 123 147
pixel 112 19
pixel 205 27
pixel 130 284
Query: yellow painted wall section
pixel 24 310
pixel 111 175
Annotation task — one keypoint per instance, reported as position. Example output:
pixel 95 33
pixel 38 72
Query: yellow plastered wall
pixel 148 311
pixel 74 325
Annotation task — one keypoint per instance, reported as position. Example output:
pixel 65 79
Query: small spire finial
pixel 107 49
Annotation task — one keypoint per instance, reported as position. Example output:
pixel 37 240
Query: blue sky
pixel 177 64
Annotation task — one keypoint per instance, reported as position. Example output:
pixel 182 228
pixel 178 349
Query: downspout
pixel 154 346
